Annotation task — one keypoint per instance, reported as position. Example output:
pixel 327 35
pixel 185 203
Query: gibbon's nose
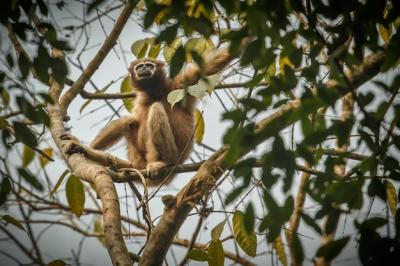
pixel 144 72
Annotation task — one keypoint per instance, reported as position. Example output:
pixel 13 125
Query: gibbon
pixel 156 134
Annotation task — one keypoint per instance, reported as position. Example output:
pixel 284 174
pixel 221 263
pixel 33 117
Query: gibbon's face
pixel 144 70
pixel 148 75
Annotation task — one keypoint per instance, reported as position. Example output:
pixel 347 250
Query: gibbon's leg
pixel 160 145
pixel 112 133
pixel 135 156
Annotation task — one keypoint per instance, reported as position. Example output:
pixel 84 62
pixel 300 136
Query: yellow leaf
pixel 56 263
pixel 198 255
pixel 246 240
pixel 154 51
pixel 5 97
pixel 280 250
pixel 270 72
pixel 391 197
pixel 199 131
pixel 169 51
pixel 385 33
pixel 27 156
pixel 75 195
pixel 198 45
pixel 396 23
pixel 163 2
pixel 126 86
pixel 59 181
pixel 217 231
pixel 284 61
pixel 216 256
pixel 3 123
pixel 138 46
pixel 161 15
pixel 43 159
pixel 141 5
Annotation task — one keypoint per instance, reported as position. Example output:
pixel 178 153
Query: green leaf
pixel 204 86
pixel 13 221
pixel 24 65
pixel 94 5
pixel 298 249
pixel 42 7
pixel 27 156
pixel 75 195
pixel 84 105
pixel 217 231
pixel 175 96
pixel 126 87
pixel 374 223
pixel 99 229
pixel 5 189
pixel 249 218
pixel 198 255
pixel 168 35
pixel 199 130
pixel 24 134
pixel 233 194
pixel 177 62
pixel 280 250
pixel 246 240
pixel 251 52
pixel 310 222
pixel 59 181
pixel 216 256
pixel 30 179
pixel 391 197
pixel 330 250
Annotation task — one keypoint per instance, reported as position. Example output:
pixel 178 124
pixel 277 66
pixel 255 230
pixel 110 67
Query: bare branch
pixel 98 59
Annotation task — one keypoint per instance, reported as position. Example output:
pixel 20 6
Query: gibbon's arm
pixel 113 132
pixel 212 65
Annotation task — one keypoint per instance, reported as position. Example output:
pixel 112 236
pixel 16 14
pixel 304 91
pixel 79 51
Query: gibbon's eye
pixel 149 65
pixel 139 66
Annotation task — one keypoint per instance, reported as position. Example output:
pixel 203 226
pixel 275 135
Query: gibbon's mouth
pixel 144 73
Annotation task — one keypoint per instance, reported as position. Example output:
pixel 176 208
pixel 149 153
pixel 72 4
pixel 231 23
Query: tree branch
pixel 177 210
pixel 97 95
pixel 90 172
pixel 98 59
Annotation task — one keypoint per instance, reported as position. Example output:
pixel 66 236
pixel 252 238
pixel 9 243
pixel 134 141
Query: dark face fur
pixel 148 75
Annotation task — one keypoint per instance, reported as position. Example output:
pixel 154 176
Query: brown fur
pixel 156 134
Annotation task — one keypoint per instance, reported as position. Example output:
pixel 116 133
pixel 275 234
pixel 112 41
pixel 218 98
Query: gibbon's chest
pixel 180 120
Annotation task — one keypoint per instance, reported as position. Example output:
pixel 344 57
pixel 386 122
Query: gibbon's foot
pixel 76 148
pixel 67 136
pixel 153 169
